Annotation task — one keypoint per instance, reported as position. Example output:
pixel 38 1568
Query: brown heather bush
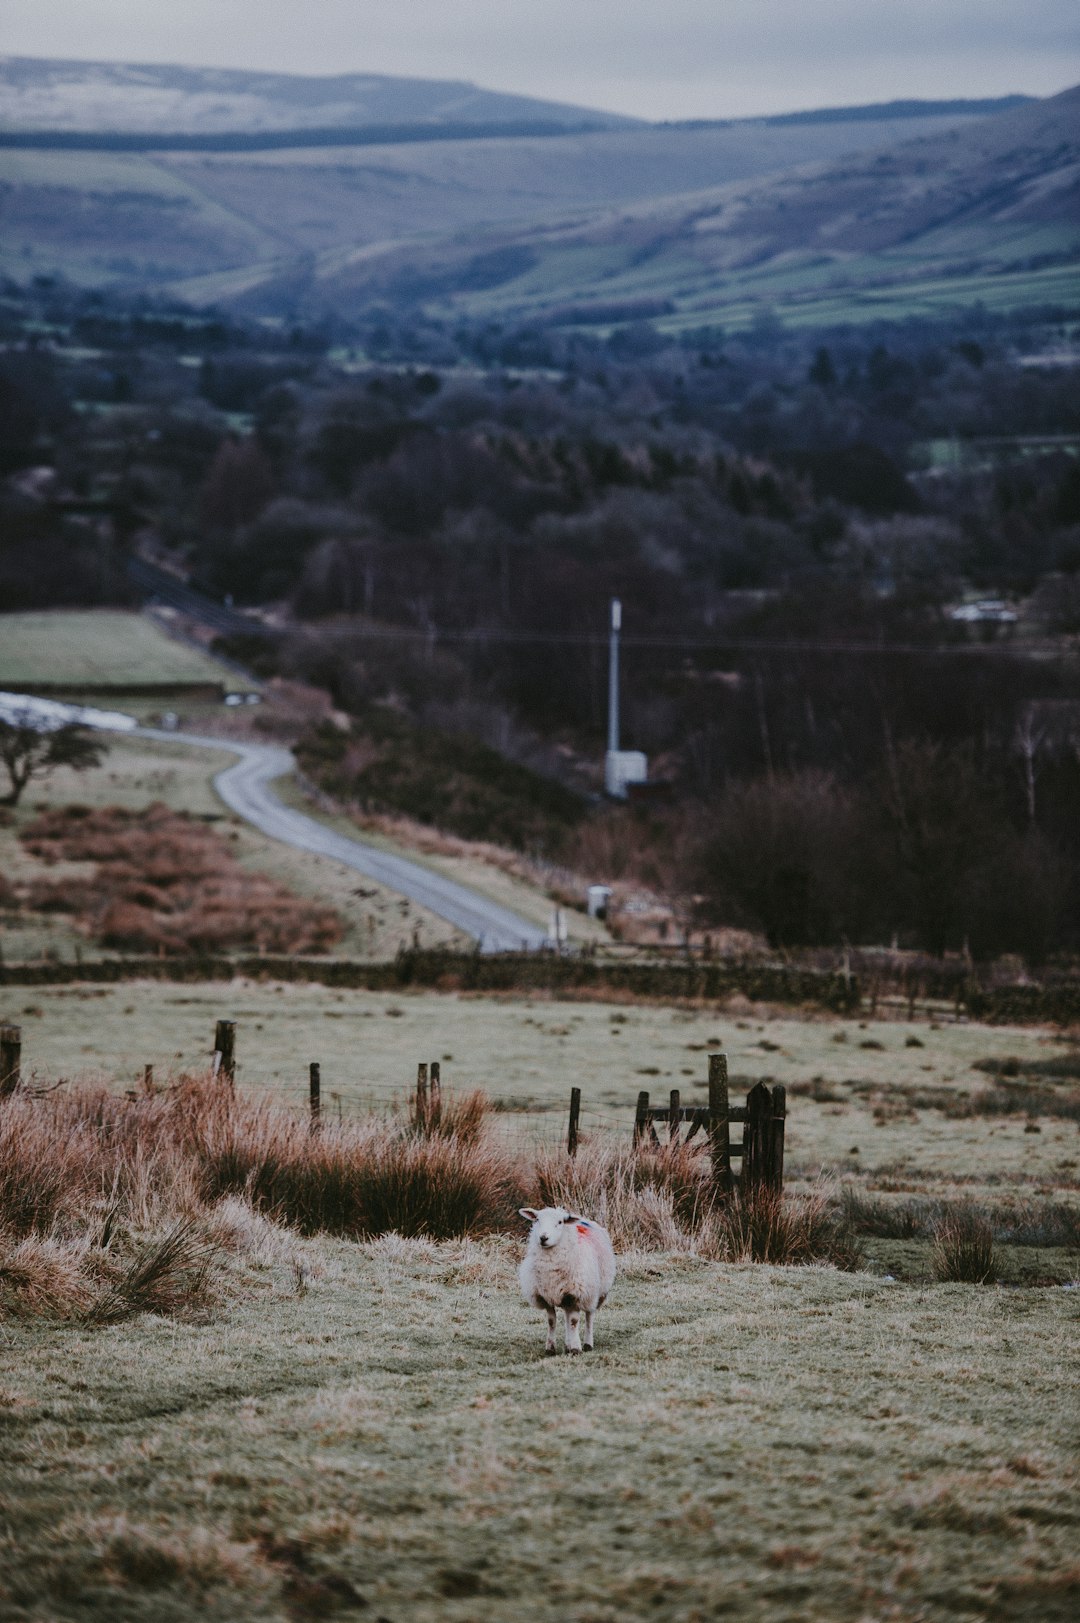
pixel 165 883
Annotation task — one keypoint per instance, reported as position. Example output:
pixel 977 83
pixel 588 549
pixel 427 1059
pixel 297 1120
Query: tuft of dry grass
pixel 42 1277
pixel 451 1115
pixel 963 1249
pixel 357 1179
pixel 662 1200
pixel 170 1277
pixel 764 1225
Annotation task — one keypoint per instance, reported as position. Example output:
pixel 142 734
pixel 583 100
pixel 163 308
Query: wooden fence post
pixel 776 1143
pixel 314 1094
pixel 10 1058
pixel 435 1093
pixel 757 1135
pixel 641 1116
pixel 225 1049
pixel 421 1098
pixel 719 1131
pixel 674 1112
pixel 148 1079
pixel 575 1114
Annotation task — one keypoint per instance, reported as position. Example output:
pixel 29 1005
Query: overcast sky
pixel 652 58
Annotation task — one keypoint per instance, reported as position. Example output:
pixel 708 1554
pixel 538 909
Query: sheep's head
pixel 552 1224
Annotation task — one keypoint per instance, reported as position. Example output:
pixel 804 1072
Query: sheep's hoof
pixel 550 1352
pixel 573 1351
pixel 587 1347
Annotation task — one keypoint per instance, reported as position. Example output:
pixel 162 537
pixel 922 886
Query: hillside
pixel 49 94
pixel 265 226
pixel 988 211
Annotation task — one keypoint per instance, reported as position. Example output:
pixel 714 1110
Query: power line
pixel 713 644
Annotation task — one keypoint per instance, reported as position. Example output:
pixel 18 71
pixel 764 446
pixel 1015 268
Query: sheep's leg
pixel 573 1340
pixel 587 1338
pixel 550 1346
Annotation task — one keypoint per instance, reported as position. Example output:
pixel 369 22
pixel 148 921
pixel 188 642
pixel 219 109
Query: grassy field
pixel 372 1426
pixel 100 648
pixel 377 922
pixel 527 1055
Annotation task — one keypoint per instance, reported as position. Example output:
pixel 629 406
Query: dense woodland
pixel 439 517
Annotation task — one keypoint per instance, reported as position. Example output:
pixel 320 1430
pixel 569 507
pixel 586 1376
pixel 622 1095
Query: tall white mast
pixel 613 677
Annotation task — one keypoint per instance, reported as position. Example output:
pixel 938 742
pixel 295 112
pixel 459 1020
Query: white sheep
pixel 570 1264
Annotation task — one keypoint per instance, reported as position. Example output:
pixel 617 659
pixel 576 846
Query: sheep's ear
pixel 572 1217
pixel 528 1214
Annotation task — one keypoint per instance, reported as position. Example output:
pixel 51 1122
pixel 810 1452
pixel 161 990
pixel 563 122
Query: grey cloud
pixel 657 57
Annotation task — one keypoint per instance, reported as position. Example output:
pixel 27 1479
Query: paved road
pixel 245 789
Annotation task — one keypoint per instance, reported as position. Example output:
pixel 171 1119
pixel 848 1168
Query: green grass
pixel 101 648
pixel 374 1423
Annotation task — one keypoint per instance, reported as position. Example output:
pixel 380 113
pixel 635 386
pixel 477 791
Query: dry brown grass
pixel 662 1200
pixel 963 1250
pixel 113 1205
pixel 164 882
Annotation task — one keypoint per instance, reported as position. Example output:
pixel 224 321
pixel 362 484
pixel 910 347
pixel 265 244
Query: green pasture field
pixel 372 1430
pixel 79 648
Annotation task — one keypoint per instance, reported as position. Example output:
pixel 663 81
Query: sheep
pixel 570 1264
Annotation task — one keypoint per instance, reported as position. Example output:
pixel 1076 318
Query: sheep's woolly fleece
pixel 569 1264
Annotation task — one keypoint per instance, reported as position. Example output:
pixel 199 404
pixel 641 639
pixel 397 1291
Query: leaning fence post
pixel 225 1049
pixel 435 1095
pixel 719 1130
pixel 575 1114
pixel 314 1094
pixel 10 1058
pixel 641 1116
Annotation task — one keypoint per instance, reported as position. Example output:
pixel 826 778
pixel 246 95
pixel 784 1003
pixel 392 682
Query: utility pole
pixel 613 677
pixel 621 767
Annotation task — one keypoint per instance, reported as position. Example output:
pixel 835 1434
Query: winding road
pixel 245 789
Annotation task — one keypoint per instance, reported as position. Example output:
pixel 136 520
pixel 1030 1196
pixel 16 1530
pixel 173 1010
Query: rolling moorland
pixel 312 230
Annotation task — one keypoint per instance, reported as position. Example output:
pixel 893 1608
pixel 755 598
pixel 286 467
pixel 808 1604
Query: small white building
pixel 623 767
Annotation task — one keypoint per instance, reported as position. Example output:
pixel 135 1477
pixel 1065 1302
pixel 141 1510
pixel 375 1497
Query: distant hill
pixel 589 219
pixel 989 210
pixel 139 99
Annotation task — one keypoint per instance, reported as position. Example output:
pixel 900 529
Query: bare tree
pixel 29 752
